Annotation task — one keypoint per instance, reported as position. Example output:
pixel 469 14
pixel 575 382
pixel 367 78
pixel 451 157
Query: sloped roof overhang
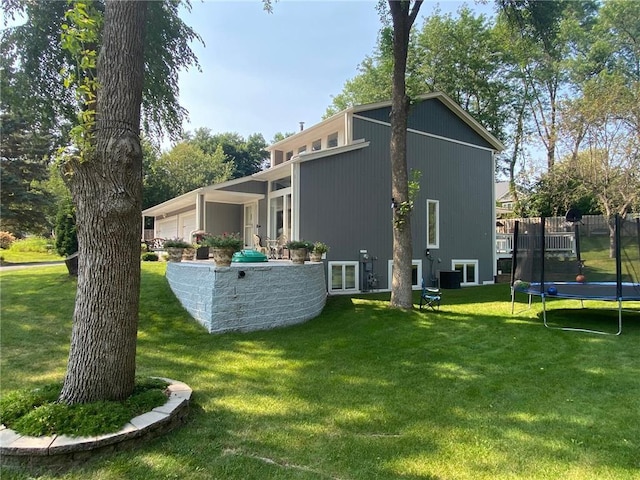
pixel 212 193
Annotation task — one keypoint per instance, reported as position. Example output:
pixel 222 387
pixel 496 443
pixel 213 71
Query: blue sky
pixel 265 73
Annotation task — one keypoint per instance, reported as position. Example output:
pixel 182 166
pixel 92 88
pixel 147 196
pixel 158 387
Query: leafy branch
pixel 402 210
pixel 80 36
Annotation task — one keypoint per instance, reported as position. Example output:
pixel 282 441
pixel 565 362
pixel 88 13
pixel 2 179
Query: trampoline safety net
pixel 541 256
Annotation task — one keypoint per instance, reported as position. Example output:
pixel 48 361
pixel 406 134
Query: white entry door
pixel 188 223
pixel 250 222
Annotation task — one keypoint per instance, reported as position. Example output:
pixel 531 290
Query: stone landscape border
pixel 60 451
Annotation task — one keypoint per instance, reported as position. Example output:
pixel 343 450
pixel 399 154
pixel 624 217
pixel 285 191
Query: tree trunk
pixel 401 286
pixel 107 192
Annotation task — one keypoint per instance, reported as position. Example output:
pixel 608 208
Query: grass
pixel 600 267
pixel 30 250
pixel 362 391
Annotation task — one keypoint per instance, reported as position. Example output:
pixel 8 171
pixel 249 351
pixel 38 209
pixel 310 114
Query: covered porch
pixel 263 204
pixel 207 209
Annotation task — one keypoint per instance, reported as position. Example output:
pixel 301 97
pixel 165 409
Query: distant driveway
pixel 22 266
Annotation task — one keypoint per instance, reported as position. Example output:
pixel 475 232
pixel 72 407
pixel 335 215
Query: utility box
pixel 450 280
pixel 249 256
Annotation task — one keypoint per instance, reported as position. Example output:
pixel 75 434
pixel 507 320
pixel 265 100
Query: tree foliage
pixel 455 55
pixel 245 157
pixel 33 49
pixel 24 153
pixel 184 168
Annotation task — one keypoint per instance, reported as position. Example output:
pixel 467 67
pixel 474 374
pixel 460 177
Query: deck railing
pixel 561 242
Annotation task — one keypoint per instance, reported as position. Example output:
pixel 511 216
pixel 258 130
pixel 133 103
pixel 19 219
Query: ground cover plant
pixel 36 412
pixel 362 391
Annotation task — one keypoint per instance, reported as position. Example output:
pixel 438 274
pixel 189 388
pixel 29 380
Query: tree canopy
pixel 33 50
pixel 183 168
pixel 525 74
pixel 246 156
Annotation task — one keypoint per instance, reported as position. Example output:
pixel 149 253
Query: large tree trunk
pixel 107 192
pixel 401 286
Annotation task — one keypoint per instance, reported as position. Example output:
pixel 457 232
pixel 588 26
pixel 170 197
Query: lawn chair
pixel 430 297
pixel 257 245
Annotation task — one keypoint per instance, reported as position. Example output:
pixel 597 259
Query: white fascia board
pixel 173 204
pixel 296 136
pixel 327 152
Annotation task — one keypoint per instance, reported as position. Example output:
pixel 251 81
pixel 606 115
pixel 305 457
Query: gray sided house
pixel 332 182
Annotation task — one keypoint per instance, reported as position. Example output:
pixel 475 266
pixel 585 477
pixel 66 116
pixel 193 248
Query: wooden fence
pixel 590 225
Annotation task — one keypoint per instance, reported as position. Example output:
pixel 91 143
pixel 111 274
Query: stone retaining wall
pixel 248 296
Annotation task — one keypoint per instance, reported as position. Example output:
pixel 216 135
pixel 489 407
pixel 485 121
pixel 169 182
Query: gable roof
pixel 339 117
pixel 452 106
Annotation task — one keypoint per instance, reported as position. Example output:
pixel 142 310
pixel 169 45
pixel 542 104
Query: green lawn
pixel 362 391
pixel 10 256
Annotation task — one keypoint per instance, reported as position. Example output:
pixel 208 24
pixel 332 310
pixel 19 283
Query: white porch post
pixel 295 199
pixel 200 210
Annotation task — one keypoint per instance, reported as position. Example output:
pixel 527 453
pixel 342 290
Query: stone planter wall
pixel 248 296
pixel 60 452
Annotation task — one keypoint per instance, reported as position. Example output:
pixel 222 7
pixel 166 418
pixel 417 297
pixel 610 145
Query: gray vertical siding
pixel 434 117
pixel 223 217
pixel 253 186
pixel 345 200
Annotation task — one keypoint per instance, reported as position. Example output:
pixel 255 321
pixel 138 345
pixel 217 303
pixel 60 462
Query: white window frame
pixel 465 262
pixel 437 223
pixel 332 139
pixel 417 263
pixel 343 288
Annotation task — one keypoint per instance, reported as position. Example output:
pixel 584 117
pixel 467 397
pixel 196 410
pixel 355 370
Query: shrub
pixel 6 239
pixel 66 236
pixel 297 244
pixel 149 257
pixel 177 243
pixel 32 244
pixel 226 240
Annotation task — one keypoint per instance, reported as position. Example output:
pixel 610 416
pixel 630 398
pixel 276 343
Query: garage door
pixel 167 228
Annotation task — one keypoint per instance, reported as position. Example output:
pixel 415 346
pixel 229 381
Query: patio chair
pixel 430 297
pixel 155 244
pixel 257 244
pixel 281 246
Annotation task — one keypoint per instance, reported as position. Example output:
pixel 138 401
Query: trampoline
pixel 540 270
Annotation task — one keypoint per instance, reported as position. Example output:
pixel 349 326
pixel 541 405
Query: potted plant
pixel 318 250
pixel 202 249
pixel 223 247
pixel 177 249
pixel 298 250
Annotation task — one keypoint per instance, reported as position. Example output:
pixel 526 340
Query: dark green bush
pixel 66 235
pixel 149 257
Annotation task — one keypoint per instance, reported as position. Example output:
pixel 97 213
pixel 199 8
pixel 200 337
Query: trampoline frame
pixel 542 286
pixel 534 290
